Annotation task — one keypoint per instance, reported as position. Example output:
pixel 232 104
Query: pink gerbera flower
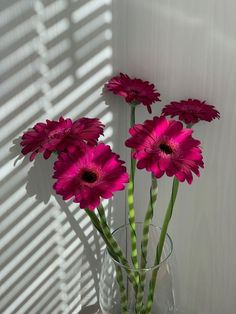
pixel 191 111
pixel 60 136
pixel 83 130
pixel 89 175
pixel 133 90
pixel 164 146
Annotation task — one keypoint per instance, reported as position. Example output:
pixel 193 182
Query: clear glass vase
pixel 109 290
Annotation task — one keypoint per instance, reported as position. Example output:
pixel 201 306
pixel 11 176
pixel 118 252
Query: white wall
pixel 55 56
pixel 188 49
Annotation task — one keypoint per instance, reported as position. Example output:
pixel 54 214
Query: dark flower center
pixel 89 176
pixel 134 91
pixel 166 149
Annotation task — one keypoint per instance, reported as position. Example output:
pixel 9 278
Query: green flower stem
pixel 123 296
pixel 131 212
pixel 160 245
pixel 144 242
pixel 119 276
pixel 97 225
pixel 148 220
pixel 116 248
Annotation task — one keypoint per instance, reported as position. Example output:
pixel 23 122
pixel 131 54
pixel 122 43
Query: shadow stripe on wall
pixel 54 59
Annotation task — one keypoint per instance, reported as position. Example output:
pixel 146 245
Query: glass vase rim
pixel 145 269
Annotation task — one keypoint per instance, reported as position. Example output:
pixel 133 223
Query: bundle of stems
pixel 136 278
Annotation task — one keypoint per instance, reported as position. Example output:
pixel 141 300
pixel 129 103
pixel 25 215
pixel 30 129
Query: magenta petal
pixel 191 111
pixel 133 90
pixel 164 146
pixel 89 175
